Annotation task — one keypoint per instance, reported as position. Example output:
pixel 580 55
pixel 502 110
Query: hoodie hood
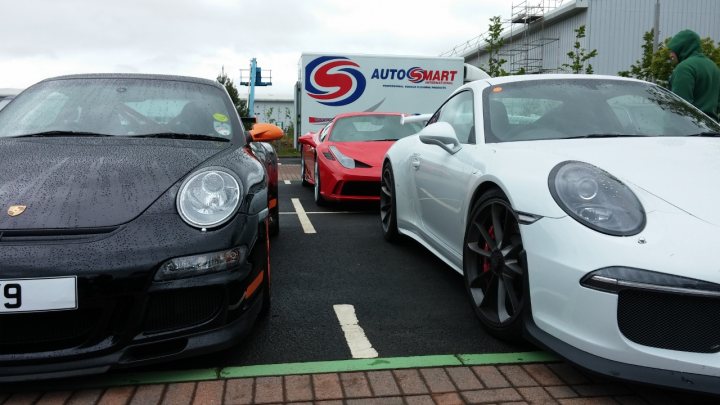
pixel 89 183
pixel 685 43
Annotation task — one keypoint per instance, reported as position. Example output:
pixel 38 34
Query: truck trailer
pixel 331 84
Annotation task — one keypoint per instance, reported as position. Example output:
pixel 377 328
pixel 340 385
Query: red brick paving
pixel 148 394
pixel 555 383
pixel 327 386
pixel 298 388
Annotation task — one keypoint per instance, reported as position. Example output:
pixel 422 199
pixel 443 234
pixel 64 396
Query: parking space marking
pixel 359 344
pixel 302 216
pixel 323 212
pixel 287 182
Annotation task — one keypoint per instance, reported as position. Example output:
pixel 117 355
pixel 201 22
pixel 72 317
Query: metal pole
pixel 251 97
pixel 656 27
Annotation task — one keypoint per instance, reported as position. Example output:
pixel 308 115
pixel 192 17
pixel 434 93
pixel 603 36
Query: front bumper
pixel 125 318
pixel 582 324
pixel 342 184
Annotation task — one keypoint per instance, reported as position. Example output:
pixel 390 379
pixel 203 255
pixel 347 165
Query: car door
pixel 442 178
pixel 309 143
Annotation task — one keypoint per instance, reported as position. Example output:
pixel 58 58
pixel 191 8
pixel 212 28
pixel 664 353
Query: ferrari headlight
pixel 346 161
pixel 596 199
pixel 209 197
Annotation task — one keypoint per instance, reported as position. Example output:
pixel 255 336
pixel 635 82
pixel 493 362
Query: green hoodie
pixel 696 78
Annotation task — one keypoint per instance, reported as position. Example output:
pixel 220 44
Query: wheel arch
pixel 480 190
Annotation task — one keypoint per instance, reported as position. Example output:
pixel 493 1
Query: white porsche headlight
pixel 596 199
pixel 209 197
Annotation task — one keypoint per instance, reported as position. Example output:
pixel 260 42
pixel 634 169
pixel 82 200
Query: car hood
pixel 370 153
pixel 87 183
pixel 681 171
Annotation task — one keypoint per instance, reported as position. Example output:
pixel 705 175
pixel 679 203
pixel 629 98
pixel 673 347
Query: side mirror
pixel 263 132
pixel 307 139
pixel 441 134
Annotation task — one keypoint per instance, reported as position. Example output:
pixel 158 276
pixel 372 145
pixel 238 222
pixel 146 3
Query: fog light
pixel 615 279
pixel 206 263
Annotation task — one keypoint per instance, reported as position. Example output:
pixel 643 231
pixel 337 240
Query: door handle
pixel 415 161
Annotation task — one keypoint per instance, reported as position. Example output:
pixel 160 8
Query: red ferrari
pixel 343 160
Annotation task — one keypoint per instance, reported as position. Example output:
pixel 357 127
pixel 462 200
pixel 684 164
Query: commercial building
pixel 539 33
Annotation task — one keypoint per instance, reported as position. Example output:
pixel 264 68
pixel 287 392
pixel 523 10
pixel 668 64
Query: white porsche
pixel 584 214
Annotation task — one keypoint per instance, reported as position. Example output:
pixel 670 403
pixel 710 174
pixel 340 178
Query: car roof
pixel 534 77
pixel 144 76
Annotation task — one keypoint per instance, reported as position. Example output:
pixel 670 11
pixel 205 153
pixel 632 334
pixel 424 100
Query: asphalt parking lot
pixel 406 303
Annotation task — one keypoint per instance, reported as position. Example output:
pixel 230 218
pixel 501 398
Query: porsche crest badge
pixel 16 210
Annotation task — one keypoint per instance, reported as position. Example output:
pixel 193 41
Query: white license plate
pixel 38 294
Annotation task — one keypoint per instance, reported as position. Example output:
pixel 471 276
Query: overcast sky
pixel 44 38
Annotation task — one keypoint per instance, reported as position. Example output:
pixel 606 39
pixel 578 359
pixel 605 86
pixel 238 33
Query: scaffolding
pixel 523 52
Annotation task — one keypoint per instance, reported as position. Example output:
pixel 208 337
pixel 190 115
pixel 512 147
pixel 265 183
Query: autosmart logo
pixel 416 75
pixel 334 80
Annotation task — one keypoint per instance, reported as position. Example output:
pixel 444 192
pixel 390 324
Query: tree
pixel 579 56
pixel 240 105
pixel 660 68
pixel 642 68
pixel 494 44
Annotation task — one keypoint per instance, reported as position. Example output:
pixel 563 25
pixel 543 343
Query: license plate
pixel 38 294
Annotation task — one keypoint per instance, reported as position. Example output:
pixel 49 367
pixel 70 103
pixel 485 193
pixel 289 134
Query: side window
pixel 459 113
pixel 325 131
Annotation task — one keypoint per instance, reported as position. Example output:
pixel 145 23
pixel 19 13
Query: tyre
pixel 274 218
pixel 319 200
pixel 495 266
pixel 266 298
pixel 305 183
pixel 388 210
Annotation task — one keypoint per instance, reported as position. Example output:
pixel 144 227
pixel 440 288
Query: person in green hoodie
pixel 696 78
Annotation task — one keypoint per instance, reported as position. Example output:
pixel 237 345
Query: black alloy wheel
pixel 319 200
pixel 495 266
pixel 388 210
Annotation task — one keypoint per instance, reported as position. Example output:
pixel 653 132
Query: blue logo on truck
pixel 334 80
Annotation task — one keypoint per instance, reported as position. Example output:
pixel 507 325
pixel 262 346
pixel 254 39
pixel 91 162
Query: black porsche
pixel 133 224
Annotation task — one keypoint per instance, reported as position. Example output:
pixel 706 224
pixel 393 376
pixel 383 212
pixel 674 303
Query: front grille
pixel 173 310
pixel 54 235
pixel 361 188
pixel 46 331
pixel 670 321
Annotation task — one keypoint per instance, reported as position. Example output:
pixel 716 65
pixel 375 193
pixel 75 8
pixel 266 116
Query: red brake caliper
pixel 486 261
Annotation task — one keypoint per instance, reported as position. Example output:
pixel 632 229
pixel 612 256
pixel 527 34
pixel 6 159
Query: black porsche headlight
pixel 596 199
pixel 209 197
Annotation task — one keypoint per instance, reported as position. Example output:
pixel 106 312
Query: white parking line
pixel 323 212
pixel 359 344
pixel 287 181
pixel 302 216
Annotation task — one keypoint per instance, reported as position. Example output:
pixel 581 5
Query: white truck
pixel 330 84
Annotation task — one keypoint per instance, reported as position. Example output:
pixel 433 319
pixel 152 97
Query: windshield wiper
pixel 61 133
pixel 176 135
pixel 604 136
pixel 384 140
pixel 709 134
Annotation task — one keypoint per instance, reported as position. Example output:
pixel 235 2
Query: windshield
pixel 120 107
pixel 4 101
pixel 372 128
pixel 575 108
